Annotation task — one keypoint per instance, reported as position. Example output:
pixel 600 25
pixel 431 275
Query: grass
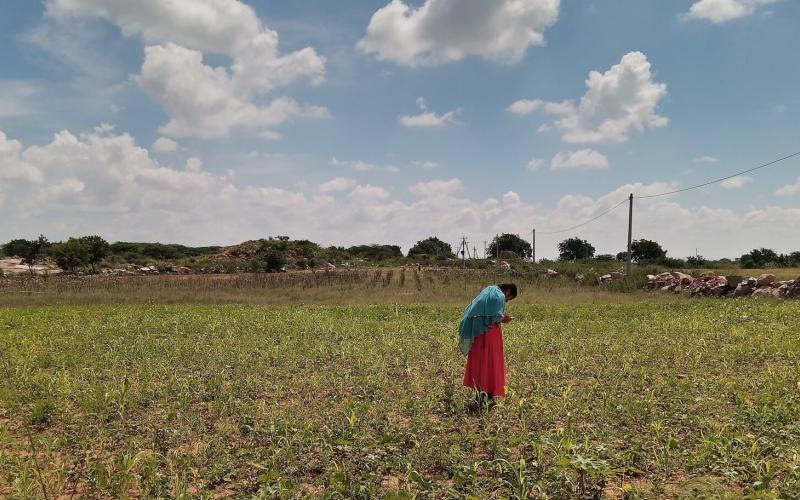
pixel 646 398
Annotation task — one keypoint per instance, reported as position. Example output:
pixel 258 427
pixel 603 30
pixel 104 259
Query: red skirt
pixel 486 366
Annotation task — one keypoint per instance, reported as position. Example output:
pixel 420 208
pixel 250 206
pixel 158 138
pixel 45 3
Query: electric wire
pixel 773 162
pixel 606 212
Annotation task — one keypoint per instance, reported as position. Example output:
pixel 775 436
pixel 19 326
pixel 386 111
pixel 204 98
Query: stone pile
pixel 611 277
pixel 711 285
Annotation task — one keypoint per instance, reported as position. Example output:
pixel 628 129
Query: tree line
pixel 275 253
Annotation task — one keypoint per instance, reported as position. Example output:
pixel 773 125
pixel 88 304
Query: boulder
pixel 742 290
pixel 766 279
pixel 551 273
pixel 793 290
pixel 579 278
pixel 763 292
pixel 683 279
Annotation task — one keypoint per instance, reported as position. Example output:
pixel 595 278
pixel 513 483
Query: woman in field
pixel 481 339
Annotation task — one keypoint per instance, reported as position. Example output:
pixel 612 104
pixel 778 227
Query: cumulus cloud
pixel 736 182
pixel 429 118
pixel 722 11
pixel 706 159
pixel 102 182
pixel 441 31
pixel 12 166
pixel 203 100
pixel 437 188
pixel 583 158
pixel 165 145
pixel 368 192
pixel 789 189
pixel 427 164
pixel 616 103
pixel 525 106
pixel 535 164
pixel 336 185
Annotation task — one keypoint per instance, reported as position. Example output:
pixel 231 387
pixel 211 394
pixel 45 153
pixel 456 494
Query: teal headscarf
pixel 485 309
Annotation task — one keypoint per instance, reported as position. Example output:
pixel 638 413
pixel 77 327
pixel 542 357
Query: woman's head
pixel 509 290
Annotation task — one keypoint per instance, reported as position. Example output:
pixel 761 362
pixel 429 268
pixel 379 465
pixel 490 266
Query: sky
pixel 357 122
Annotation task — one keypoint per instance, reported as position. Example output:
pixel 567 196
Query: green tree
pixel 28 250
pixel 273 260
pixel 376 252
pixel 647 251
pixel 96 249
pixel 696 261
pixel 575 249
pixel 508 242
pixel 431 247
pixel 762 257
pixel 70 254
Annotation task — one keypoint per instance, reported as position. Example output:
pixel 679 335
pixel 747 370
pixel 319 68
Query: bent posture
pixel 481 339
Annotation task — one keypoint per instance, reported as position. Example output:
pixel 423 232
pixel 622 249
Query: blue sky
pixel 218 121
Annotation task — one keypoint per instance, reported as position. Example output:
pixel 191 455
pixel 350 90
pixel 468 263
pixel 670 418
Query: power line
pixel 718 180
pixel 673 192
pixel 586 222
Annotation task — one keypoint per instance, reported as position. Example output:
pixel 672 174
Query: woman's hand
pixel 506 318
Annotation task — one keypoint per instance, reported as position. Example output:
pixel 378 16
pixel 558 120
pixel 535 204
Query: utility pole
pixel 630 233
pixel 533 247
pixel 484 249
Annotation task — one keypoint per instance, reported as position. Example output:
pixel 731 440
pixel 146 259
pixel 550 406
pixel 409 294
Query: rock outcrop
pixel 711 285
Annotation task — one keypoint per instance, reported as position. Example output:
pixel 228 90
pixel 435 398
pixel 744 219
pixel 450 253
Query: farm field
pixel 648 397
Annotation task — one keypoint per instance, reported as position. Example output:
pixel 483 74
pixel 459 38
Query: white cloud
pixel 194 164
pixel 616 103
pixel 89 183
pixel 427 164
pixel 165 145
pixel 583 158
pixel 436 188
pixel 17 98
pixel 336 185
pixel 789 189
pixel 12 166
pixel 736 182
pixel 706 159
pixel 363 166
pixel 203 100
pixel 428 118
pixel 270 135
pixel 368 192
pixel 511 198
pixel 441 31
pixel 525 106
pixel 721 11
pixel 535 164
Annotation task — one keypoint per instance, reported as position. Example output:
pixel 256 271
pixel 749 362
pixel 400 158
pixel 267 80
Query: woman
pixel 481 339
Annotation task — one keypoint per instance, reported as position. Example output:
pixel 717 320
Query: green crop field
pixel 646 398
